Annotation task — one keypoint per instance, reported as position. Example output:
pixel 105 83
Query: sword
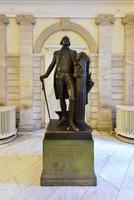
pixel 43 88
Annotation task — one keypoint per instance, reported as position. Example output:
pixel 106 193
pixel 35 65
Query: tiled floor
pixel 21 166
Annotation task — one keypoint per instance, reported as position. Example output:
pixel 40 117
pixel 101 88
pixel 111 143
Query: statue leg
pixel 60 87
pixel 70 88
pixel 63 109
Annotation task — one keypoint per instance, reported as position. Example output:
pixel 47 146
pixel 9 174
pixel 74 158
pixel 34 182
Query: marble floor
pixel 21 166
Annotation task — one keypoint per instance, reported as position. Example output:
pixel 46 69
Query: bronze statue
pixel 71 81
pixel 64 82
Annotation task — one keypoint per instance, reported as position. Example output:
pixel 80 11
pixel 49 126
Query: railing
pixel 7 121
pixel 125 121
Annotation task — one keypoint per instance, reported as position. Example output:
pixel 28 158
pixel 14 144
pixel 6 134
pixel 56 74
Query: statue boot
pixel 71 125
pixel 63 119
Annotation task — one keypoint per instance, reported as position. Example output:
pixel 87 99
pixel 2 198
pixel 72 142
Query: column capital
pixel 4 20
pixel 105 20
pixel 127 19
pixel 25 19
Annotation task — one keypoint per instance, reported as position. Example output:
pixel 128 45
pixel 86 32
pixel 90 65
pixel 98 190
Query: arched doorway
pixel 65 25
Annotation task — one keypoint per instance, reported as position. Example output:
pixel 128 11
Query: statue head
pixel 65 41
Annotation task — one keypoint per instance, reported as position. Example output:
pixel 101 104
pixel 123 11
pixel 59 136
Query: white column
pixel 128 22
pixel 26 23
pixel 3 67
pixel 105 23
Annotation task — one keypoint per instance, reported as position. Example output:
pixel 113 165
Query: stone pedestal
pixel 68 157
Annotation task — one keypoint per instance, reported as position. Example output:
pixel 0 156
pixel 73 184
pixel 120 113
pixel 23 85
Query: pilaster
pixel 26 23
pixel 3 67
pixel 128 22
pixel 105 23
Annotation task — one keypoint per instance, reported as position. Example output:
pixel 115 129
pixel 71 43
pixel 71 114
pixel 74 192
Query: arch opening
pixel 65 25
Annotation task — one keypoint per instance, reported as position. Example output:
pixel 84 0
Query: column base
pixel 105 120
pixel 37 124
pixel 28 127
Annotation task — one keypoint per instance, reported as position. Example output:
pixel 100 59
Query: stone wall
pixel 117 83
pixel 117 87
pixel 37 114
pixel 94 95
pixel 13 83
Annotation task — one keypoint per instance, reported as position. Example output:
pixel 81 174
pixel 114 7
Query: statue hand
pixel 43 77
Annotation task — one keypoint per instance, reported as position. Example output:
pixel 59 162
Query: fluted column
pixel 105 23
pixel 26 23
pixel 128 22
pixel 3 68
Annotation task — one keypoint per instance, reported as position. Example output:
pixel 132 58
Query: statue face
pixel 65 41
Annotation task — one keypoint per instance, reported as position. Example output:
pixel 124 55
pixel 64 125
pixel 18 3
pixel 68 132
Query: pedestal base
pixel 68 157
